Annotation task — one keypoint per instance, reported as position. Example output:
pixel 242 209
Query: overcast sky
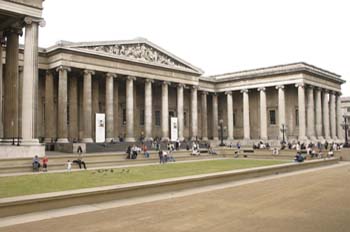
pixel 217 36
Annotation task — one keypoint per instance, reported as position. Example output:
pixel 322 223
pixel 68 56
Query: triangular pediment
pixel 139 50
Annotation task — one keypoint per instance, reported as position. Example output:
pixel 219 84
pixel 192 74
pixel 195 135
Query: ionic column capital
pixel 194 87
pixel 166 83
pixel 311 87
pixel 15 29
pixel 302 85
pixel 131 78
pixel 181 85
pixel 63 68
pixel 113 75
pixel 228 93
pixel 89 72
pixel 244 91
pixel 149 80
pixel 204 93
pixel 29 20
pixel 262 89
pixel 280 87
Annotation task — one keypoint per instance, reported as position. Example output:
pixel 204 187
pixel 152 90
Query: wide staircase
pixel 57 161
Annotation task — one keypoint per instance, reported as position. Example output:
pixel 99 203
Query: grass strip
pixel 53 182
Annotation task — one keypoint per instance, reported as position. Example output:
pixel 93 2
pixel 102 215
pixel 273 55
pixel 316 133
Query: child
pixel 69 166
pixel 45 161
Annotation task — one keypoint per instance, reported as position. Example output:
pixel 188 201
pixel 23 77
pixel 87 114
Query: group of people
pixel 37 163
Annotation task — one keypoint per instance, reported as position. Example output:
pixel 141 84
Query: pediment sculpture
pixel 138 51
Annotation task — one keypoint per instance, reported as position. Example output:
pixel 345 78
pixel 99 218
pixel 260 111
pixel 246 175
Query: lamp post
pixel 283 130
pixel 345 125
pixel 221 124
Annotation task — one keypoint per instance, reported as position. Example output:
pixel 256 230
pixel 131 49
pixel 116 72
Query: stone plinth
pixel 9 151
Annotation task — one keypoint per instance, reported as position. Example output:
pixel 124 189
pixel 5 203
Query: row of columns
pixel 27 86
pixel 331 113
pixel 87 107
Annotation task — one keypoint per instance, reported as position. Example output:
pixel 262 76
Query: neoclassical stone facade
pixel 139 86
pixel 19 72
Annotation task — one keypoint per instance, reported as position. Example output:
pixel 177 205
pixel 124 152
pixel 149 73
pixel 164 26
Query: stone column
pixel 116 108
pixel 62 104
pixel 194 113
pixel 326 115
pixel 310 113
pixel 1 86
pixel 95 101
pixel 215 117
pixel 340 131
pixel 281 110
pixel 333 119
pixel 165 112
pixel 11 84
pixel 30 81
pixel 49 107
pixel 301 110
pixel 87 106
pixel 148 110
pixel 20 99
pixel 229 116
pixel 204 116
pixel 130 109
pixel 318 114
pixel 109 106
pixel 263 116
pixel 73 108
pixel 246 122
pixel 180 110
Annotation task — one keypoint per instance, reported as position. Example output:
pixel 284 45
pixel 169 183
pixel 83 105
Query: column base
pixel 181 139
pixel 62 140
pixel 302 139
pixel 108 140
pixel 205 139
pixel 130 139
pixel 320 138
pixel 165 139
pixel 87 140
pixel 216 138
pixel 150 139
pixel 30 142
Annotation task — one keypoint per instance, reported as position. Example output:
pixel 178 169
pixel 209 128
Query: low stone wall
pixel 344 154
pixel 9 151
pixel 40 202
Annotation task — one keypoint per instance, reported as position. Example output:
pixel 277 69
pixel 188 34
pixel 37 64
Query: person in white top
pixel 69 165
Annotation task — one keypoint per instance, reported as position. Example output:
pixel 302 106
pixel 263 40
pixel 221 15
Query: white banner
pixel 173 129
pixel 100 128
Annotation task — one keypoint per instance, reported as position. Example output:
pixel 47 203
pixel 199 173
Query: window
pixel 142 117
pixel 272 117
pixel 124 116
pixel 297 117
pixel 157 115
pixel 185 119
pixel 348 109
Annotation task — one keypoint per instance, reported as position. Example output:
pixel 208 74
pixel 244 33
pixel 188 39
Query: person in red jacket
pixel 45 162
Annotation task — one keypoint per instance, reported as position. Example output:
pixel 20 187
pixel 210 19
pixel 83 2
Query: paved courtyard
pixel 312 201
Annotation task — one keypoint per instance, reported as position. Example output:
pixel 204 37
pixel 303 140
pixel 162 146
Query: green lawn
pixel 53 182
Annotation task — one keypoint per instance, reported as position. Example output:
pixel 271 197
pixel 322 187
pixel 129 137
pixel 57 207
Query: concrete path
pixel 309 200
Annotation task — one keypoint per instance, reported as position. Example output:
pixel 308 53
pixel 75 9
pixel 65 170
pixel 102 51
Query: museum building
pixel 138 87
